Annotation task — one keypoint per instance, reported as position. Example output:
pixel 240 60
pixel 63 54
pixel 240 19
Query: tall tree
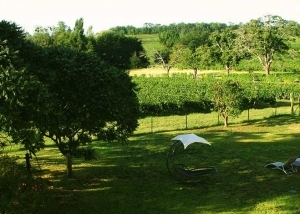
pixel 64 94
pixel 185 58
pixel 168 38
pixel 117 49
pixel 225 47
pixel 21 92
pixel 86 97
pixel 264 38
pixel 78 39
pixel 163 58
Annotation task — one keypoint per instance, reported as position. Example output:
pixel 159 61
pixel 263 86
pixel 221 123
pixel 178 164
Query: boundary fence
pixel 200 120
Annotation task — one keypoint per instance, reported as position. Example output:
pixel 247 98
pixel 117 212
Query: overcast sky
pixel 105 14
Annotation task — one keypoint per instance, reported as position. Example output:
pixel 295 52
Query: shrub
pixel 20 191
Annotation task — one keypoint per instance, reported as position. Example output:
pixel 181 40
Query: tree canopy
pixel 264 38
pixel 117 49
pixel 66 94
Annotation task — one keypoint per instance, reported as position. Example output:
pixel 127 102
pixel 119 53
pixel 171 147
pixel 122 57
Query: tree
pixel 225 48
pixel 42 37
pixel 117 49
pixel 12 40
pixel 168 38
pixel 86 98
pixel 195 38
pixel 185 58
pixel 21 93
pixel 227 98
pixel 78 39
pixel 162 58
pixel 64 94
pixel 264 38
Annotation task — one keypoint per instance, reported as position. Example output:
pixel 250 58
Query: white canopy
pixel 188 139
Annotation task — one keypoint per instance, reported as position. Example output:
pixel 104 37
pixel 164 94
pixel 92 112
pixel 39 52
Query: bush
pixel 20 191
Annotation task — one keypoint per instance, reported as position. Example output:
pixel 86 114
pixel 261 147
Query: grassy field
pixel 133 178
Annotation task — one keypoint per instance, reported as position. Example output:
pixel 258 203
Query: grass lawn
pixel 133 178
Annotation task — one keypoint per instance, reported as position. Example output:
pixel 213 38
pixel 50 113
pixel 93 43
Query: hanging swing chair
pixel 179 160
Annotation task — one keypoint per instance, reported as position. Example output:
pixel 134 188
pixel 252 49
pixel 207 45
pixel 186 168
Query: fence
pixel 194 121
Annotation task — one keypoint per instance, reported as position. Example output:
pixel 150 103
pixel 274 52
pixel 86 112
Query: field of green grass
pixel 133 178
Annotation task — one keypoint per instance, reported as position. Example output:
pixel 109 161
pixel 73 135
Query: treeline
pixel 182 28
pixel 218 46
pixel 112 47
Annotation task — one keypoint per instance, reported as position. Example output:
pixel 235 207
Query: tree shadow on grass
pixel 133 178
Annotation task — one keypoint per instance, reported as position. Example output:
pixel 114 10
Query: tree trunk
pixel 225 121
pixel 168 68
pixel 69 165
pixel 267 68
pixel 227 67
pixel 195 73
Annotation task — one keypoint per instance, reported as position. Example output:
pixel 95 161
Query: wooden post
pixel 151 124
pixel 186 126
pixel 292 102
pixel 248 114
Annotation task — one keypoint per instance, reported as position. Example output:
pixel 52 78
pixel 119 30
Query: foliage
pixel 227 97
pixel 116 49
pixel 21 92
pixel 177 94
pixel 168 38
pixel 20 192
pixel 66 95
pixel 225 48
pixel 86 97
pixel 264 38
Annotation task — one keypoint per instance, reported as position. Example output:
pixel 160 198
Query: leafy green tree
pixel 264 38
pixel 163 58
pixel 21 93
pixel 195 38
pixel 86 97
pixel 185 58
pixel 168 38
pixel 117 49
pixel 42 37
pixel 61 35
pixel 64 94
pixel 12 41
pixel 225 48
pixel 78 39
pixel 227 98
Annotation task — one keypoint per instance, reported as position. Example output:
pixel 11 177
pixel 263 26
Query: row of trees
pixel 61 86
pixel 181 28
pixel 112 47
pixel 200 46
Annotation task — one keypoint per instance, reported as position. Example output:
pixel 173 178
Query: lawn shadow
pixel 133 178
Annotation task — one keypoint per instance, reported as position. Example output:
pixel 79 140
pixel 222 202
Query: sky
pixel 105 14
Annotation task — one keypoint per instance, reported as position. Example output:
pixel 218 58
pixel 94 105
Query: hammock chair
pixel 177 157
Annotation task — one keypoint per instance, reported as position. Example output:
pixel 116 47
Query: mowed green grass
pixel 133 178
